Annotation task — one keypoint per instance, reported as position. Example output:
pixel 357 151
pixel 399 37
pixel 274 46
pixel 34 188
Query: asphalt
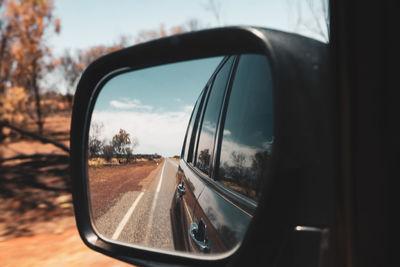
pixel 142 218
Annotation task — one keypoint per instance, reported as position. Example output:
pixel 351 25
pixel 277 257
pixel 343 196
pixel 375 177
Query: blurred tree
pixel 151 34
pixel 192 25
pixel 4 72
pixel 147 35
pixel 129 154
pixel 260 167
pixel 70 72
pixel 13 105
pixel 214 6
pixel 237 169
pixel 72 64
pixel 310 16
pixel 4 55
pixel 23 48
pixel 177 30
pixel 87 56
pixel 204 159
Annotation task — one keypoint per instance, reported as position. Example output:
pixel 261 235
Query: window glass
pixel 210 120
pixel 188 141
pixel 248 128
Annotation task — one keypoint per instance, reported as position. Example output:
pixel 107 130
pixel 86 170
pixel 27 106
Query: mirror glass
pixel 178 153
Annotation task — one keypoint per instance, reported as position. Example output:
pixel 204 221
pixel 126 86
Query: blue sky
pixel 94 22
pixel 163 88
pixel 153 104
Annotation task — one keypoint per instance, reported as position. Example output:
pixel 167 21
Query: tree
pixel 204 159
pixel 151 34
pixel 72 64
pixel 237 170
pixel 5 57
pixel 24 44
pixel 70 72
pixel 129 154
pixel 108 152
pixel 86 56
pixel 123 144
pixel 95 147
pixel 214 6
pixel 95 144
pixel 312 16
pixel 22 53
pixel 260 168
pixel 120 142
pixel 147 35
pixel 13 105
pixel 192 25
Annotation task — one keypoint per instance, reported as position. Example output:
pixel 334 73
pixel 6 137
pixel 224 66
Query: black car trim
pixel 230 195
pixel 196 136
pixel 204 107
pixel 221 114
pixel 199 101
pixel 221 121
pixel 191 157
pixel 220 130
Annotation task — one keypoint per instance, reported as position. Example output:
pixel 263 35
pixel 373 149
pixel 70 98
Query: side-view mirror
pixel 206 148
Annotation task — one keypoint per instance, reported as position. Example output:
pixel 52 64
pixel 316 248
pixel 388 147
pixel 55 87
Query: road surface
pixel 143 218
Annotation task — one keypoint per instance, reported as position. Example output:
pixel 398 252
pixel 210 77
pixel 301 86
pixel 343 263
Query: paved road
pixel 142 218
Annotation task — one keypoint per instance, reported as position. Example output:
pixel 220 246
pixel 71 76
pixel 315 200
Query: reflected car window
pixel 247 134
pixel 211 115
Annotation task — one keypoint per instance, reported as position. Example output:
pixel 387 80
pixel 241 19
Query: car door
pixel 183 202
pixel 191 168
pixel 201 166
pixel 240 158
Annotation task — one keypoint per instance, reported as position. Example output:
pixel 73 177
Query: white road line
pixel 153 206
pixel 122 224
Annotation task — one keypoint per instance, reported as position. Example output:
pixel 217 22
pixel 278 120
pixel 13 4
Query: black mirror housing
pixel 299 192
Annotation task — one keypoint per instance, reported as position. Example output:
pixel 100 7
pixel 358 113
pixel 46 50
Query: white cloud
pixel 160 133
pixel 230 147
pixel 208 126
pixel 126 103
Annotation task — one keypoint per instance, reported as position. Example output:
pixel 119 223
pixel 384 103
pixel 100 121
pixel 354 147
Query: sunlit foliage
pixel 24 51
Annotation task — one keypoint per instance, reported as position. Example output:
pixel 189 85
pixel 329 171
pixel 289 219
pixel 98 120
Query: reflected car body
pixel 225 157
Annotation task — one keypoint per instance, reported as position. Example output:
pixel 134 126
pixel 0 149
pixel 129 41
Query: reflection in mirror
pixel 178 153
